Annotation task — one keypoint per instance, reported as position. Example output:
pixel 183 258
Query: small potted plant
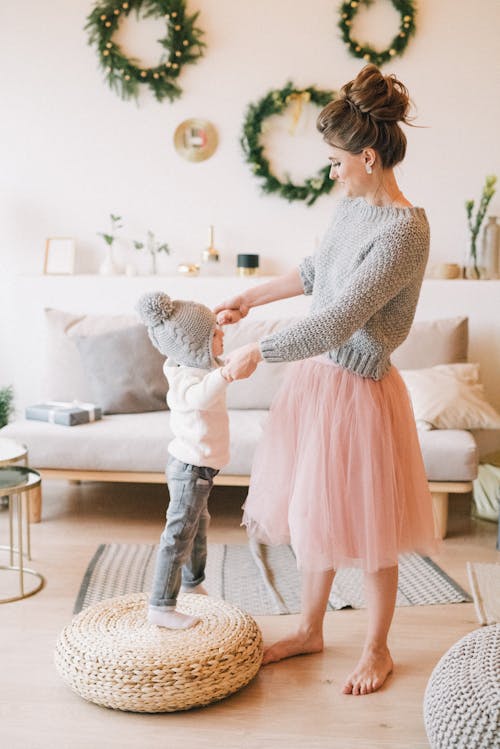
pixel 154 247
pixel 473 266
pixel 6 404
pixel 108 266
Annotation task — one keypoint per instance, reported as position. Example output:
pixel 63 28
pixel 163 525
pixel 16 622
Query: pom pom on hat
pixel 155 307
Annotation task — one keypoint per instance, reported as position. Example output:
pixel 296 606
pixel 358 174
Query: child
pixel 187 333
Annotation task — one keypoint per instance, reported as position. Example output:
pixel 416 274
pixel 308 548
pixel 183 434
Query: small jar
pixel 247 265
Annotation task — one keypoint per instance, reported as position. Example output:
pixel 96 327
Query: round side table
pixel 12 452
pixel 15 483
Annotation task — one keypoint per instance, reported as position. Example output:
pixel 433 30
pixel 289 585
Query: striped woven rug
pixel 260 579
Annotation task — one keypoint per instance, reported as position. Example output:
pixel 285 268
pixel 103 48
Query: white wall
pixel 71 151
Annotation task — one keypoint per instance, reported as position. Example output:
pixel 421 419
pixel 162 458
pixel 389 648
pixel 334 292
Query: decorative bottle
pixel 491 241
pixel 210 257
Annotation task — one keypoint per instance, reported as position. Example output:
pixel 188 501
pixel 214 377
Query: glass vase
pixel 474 265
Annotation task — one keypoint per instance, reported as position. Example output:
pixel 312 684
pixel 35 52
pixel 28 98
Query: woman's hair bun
pixel 383 97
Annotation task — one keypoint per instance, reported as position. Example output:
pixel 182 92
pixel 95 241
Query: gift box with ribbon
pixel 67 414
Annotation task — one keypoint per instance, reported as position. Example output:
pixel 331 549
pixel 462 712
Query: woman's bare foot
pixel 301 643
pixel 374 667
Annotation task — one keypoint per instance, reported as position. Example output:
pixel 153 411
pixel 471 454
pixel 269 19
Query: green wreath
pixel 275 102
pixel 406 8
pixel 124 75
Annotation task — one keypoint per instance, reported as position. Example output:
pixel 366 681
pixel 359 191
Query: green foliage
pixel 406 8
pixel 275 102
pixel 153 246
pixel 182 44
pixel 115 223
pixel 6 404
pixel 474 224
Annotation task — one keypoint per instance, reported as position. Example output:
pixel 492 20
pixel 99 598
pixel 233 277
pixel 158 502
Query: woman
pixel 339 472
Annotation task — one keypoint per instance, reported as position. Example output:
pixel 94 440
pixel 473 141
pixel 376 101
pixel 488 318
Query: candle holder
pixel 247 265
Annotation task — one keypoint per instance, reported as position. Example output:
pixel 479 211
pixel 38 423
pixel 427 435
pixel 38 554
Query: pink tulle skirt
pixel 339 473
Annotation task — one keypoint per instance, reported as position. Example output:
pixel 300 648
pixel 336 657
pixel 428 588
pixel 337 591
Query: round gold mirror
pixel 195 139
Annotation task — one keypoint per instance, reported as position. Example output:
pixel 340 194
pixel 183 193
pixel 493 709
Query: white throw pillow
pixel 450 396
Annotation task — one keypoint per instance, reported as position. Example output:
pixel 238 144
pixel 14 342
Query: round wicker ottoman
pixel 462 699
pixel 110 655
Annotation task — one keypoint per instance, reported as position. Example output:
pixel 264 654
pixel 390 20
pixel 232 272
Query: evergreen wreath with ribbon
pixel 275 102
pixel 182 44
pixel 406 8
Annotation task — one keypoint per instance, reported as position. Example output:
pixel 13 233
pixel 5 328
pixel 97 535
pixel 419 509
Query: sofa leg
pixel 35 504
pixel 440 509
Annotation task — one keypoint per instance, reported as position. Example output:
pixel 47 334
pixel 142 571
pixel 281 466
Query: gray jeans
pixel 182 553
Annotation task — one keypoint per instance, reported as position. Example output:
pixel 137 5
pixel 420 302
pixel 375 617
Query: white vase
pixel 108 266
pixel 121 254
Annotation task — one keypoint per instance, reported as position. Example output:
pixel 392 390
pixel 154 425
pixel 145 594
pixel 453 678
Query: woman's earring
pixel 368 168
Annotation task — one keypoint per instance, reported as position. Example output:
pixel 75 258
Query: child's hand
pixel 228 316
pixel 231 311
pixel 242 362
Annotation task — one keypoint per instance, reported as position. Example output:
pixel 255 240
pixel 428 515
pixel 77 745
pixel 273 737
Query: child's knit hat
pixel 181 330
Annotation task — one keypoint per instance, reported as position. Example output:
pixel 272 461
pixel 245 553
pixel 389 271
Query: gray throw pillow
pixel 124 371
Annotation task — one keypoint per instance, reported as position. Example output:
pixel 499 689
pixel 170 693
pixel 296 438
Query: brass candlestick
pixel 210 255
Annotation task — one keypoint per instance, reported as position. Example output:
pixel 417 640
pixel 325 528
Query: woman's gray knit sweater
pixel 365 280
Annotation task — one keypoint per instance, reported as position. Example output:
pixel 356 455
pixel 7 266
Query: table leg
pixel 25 498
pixel 11 530
pixel 20 542
pixel 35 504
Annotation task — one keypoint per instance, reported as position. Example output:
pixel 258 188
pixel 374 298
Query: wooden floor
pixel 296 703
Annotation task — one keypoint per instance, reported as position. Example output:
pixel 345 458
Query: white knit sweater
pixel 199 420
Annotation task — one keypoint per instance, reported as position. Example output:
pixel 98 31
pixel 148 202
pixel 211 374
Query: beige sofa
pixel 132 446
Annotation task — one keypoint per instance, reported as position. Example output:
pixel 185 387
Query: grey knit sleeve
pixel 306 271
pixel 397 259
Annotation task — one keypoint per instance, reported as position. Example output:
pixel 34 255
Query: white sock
pixel 171 619
pixel 199 589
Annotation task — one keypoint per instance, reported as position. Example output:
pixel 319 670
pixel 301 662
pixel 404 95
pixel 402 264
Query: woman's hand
pixel 231 311
pixel 242 362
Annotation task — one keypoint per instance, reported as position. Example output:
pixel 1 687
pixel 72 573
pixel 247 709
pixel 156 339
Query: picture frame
pixel 60 255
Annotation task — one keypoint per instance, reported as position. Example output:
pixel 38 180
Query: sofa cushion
pixel 138 442
pixel 258 391
pixel 433 342
pixel 449 454
pixel 125 370
pixel 126 442
pixel 450 396
pixel 65 377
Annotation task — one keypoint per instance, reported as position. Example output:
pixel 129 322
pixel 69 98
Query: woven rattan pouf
pixel 462 699
pixel 109 654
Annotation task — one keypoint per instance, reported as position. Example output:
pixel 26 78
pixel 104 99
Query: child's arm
pixel 198 392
